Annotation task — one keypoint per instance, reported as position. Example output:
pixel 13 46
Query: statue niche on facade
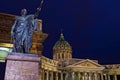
pixel 22 30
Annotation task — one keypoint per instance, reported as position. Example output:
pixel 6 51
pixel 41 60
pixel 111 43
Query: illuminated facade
pixel 62 66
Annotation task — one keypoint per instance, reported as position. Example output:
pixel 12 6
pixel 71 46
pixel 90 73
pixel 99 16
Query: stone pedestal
pixel 22 66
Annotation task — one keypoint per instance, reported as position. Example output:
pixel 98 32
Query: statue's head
pixel 23 12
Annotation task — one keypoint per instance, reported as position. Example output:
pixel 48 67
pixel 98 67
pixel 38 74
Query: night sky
pixel 92 27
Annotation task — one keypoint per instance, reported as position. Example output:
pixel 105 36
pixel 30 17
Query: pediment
pixel 85 63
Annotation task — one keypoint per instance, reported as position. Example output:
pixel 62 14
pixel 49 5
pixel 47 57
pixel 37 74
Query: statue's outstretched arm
pixel 38 10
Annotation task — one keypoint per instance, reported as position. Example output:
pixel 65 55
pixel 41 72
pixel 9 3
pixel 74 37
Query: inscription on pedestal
pixel 22 70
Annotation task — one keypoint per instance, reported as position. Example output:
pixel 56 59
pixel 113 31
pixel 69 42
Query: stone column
pixel 61 76
pixel 115 77
pixel 108 77
pixel 83 76
pixel 98 76
pixel 90 76
pixel 105 76
pixel 56 75
pixel 101 76
pixel 86 76
pixel 47 74
pixel 43 73
pixel 79 75
pixel 66 75
pixel 51 78
pixel 60 56
pixel 95 76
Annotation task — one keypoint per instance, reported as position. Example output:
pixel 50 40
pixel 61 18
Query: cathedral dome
pixel 62 50
pixel 62 44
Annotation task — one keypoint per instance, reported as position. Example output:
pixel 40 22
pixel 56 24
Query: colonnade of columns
pixel 50 75
pixel 107 77
pixel 87 76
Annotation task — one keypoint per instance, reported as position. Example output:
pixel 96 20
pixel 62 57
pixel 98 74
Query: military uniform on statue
pixel 21 65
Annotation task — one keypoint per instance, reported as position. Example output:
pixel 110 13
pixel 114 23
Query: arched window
pixel 58 56
pixel 62 55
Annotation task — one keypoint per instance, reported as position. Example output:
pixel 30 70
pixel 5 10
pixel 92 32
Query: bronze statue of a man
pixel 22 30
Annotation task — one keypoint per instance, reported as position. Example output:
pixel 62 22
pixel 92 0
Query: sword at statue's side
pixel 38 10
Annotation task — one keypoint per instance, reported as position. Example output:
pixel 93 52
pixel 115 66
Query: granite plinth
pixel 22 67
